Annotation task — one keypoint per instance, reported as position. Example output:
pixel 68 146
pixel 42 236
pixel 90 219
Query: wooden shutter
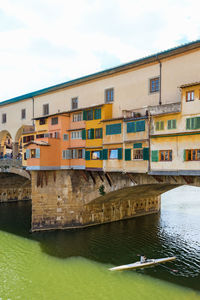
pixel 184 155
pixel 27 153
pixel 105 154
pixel 113 129
pixel 197 122
pixel 169 124
pixel 84 134
pixel 127 154
pixel 140 126
pixel 84 115
pixel 157 126
pixel 188 123
pixel 154 155
pixel 174 124
pixel 137 145
pixel 87 155
pixel 161 125
pixel 101 154
pixel 97 113
pixel 130 127
pixel 119 153
pixel 145 153
pixel 37 153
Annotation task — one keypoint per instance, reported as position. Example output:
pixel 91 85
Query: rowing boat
pixel 147 263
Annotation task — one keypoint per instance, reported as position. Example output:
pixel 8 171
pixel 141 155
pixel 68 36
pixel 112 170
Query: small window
pixel 192 155
pixel 56 135
pixel 89 115
pixel 95 155
pixel 159 125
pixel 113 154
pixel 189 96
pixel 165 155
pixel 78 117
pixel 74 103
pixel 33 153
pixel 137 154
pixel 45 109
pixel 23 114
pixel 109 95
pixel 65 137
pixel 154 85
pixel 4 119
pixel 54 121
pixel 98 133
pixel 76 135
pixel 42 121
pixel 171 124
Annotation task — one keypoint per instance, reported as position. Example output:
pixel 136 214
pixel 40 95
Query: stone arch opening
pixel 17 143
pixel 6 144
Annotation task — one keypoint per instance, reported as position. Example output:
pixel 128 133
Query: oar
pixel 173 270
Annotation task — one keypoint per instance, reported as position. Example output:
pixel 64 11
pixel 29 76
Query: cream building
pixel 149 81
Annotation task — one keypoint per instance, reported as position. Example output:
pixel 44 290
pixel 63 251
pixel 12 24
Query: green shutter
pixel 184 155
pixel 197 122
pixel 87 155
pixel 84 115
pixel 119 153
pixel 157 126
pixel 101 154
pixel 188 123
pixel 154 155
pixel 169 124
pixel 193 123
pixel 137 145
pixel 92 133
pixel 174 124
pixel 97 113
pixel 105 154
pixel 127 154
pixel 113 129
pixel 161 125
pixel 145 153
pixel 140 126
pixel 130 127
pixel 84 134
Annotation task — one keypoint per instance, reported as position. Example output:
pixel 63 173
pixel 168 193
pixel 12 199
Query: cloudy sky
pixel 45 42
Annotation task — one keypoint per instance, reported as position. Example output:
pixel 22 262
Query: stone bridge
pixel 15 182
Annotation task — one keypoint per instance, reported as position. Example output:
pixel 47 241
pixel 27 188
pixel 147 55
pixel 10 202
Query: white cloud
pixel 57 40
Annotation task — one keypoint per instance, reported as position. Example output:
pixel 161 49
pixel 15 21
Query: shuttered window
pixel 37 153
pixel 145 153
pixel 83 134
pixel 97 113
pixel 137 145
pixel 113 129
pixel 136 126
pixel 171 124
pixel 87 155
pixel 193 123
pixel 154 155
pixel 27 153
pixel 160 125
pixel 127 154
pixel 105 154
pixel 90 133
pixel 120 153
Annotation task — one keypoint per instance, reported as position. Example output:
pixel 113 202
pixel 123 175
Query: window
pixel 89 115
pixel 90 133
pixel 171 124
pixel 109 95
pixel 113 154
pixel 136 126
pixel 75 135
pixel 78 117
pixel 189 96
pixel 33 153
pixel 97 113
pixel 4 119
pixel 192 154
pixel 137 154
pixel 23 114
pixel 75 103
pixel 193 123
pixel 42 121
pixel 56 135
pixel 28 138
pixel 45 109
pixel 98 133
pixel 39 136
pixel 154 85
pixel 54 121
pixel 65 137
pixel 160 125
pixel 165 155
pixel 113 129
pixel 66 154
pixel 95 155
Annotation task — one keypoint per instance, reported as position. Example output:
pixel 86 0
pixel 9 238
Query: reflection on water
pixel 85 255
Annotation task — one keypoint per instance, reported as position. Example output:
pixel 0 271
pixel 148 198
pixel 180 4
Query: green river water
pixel 74 265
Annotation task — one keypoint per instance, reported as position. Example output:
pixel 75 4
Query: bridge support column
pixel 67 199
pixel 15 149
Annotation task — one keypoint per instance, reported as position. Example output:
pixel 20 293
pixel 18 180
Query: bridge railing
pixel 9 162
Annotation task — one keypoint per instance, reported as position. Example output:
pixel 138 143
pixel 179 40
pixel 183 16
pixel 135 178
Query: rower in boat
pixel 143 259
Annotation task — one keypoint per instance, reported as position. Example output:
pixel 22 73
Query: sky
pixel 46 42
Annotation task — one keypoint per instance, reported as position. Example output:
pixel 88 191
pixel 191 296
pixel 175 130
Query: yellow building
pixel 175 138
pixel 93 134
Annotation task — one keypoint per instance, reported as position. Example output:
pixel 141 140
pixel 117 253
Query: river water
pixel 73 265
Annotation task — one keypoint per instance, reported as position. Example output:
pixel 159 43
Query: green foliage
pixel 102 190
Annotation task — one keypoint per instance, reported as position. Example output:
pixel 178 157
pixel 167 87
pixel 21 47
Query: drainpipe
pixel 160 99
pixel 33 105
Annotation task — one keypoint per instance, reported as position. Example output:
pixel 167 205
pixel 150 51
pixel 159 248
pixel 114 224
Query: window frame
pixel 92 152
pixel 4 118
pixel 109 95
pixel 164 152
pixel 23 114
pixel 137 150
pixel 77 117
pixel 46 109
pixel 74 103
pixel 189 99
pixel 153 86
pixel 54 121
pixel 191 151
pixel 109 153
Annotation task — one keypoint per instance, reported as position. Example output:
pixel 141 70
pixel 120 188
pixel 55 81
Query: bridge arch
pixel 6 142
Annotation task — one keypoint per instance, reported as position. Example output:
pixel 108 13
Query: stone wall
pixel 14 188
pixel 72 199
